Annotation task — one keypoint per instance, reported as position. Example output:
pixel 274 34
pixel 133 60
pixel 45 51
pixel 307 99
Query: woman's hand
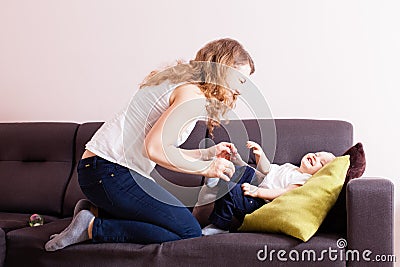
pixel 250 190
pixel 221 150
pixel 237 159
pixel 220 168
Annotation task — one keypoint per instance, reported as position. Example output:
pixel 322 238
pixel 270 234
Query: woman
pixel 114 172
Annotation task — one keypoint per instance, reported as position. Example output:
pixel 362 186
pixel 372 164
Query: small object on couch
pixel 36 220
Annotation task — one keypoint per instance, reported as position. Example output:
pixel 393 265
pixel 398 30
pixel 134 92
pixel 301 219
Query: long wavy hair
pixel 209 72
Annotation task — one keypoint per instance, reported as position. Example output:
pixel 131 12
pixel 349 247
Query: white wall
pixel 82 60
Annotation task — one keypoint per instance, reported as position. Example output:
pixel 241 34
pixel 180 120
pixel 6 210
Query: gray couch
pixel 38 175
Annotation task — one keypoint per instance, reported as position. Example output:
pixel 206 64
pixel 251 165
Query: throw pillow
pixel 357 162
pixel 300 212
pixel 336 219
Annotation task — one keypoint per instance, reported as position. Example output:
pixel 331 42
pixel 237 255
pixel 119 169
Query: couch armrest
pixel 2 247
pixel 370 220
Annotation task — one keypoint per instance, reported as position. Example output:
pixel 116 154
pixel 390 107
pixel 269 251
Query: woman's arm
pixel 222 150
pixel 265 193
pixel 187 103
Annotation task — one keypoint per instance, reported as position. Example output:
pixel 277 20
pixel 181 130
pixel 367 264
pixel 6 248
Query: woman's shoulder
pixel 186 92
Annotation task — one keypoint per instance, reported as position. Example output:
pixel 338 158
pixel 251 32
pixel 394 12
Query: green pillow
pixel 300 212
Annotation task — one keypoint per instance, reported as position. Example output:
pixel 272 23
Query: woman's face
pixel 237 80
pixel 244 69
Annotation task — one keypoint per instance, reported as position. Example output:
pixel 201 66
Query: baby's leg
pixel 231 204
pixel 205 204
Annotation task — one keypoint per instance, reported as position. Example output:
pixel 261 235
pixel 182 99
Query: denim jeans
pixel 234 203
pixel 134 215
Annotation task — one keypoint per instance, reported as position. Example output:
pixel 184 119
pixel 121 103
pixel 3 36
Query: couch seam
pixel 73 161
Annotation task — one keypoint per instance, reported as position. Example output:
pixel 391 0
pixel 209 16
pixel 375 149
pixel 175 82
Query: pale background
pixel 82 60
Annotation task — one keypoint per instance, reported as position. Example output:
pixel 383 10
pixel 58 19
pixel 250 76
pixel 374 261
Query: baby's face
pixel 313 162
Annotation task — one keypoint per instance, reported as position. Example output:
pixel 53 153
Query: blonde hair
pixel 208 71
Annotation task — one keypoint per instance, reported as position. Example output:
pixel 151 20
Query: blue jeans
pixel 135 216
pixel 234 204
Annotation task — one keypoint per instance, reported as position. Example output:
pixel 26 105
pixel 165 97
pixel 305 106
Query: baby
pixel 273 180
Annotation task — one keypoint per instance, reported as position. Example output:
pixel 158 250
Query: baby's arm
pixel 263 164
pixel 265 193
pixel 237 160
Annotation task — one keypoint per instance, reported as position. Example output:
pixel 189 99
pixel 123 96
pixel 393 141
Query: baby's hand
pixel 257 150
pixel 250 190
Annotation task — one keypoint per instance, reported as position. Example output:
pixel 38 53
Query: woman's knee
pixel 194 231
pixel 188 226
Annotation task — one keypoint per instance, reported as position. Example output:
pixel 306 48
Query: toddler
pixel 273 180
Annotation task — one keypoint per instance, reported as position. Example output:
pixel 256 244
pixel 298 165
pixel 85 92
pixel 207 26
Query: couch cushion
pixel 74 192
pixel 35 166
pixel 2 247
pixel 286 140
pixel 262 131
pixel 29 241
pixel 220 250
pixel 296 137
pixel 12 221
pixel 248 249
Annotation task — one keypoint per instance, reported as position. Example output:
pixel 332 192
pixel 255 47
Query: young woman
pixel 114 172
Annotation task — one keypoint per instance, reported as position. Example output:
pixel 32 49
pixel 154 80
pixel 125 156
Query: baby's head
pixel 313 162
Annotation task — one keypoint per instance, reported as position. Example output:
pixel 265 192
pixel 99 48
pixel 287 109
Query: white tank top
pixel 121 139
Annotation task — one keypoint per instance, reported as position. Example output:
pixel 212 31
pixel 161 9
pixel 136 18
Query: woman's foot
pixel 76 232
pixel 82 204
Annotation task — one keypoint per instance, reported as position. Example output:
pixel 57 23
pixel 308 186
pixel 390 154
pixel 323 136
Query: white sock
pixel 211 229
